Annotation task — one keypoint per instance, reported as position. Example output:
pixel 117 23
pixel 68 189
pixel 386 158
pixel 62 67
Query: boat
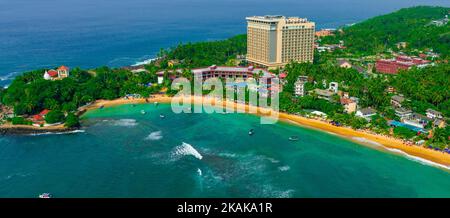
pixel 156 103
pixel 250 132
pixel 293 138
pixel 143 112
pixel 101 106
pixel 161 116
pixel 45 195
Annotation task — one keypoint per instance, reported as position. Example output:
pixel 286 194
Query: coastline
pixel 9 129
pixel 379 142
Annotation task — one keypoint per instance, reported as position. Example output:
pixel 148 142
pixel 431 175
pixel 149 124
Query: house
pixel 439 123
pixel 403 113
pixel 299 88
pixel 344 63
pixel 401 45
pixel 40 118
pixel 334 87
pixel 433 114
pixel 324 32
pixel 391 89
pixel 60 73
pixel 397 100
pixel 323 94
pixel 63 72
pixel 349 105
pixel 172 63
pixel 366 113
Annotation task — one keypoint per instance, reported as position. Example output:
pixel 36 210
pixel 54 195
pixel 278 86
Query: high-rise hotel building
pixel 274 41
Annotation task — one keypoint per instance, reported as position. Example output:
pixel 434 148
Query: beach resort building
pixel 433 114
pixel 299 86
pixel 60 73
pixel 366 113
pixel 232 72
pixel 392 66
pixel 274 41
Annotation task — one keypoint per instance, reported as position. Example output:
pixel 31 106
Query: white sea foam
pixel 147 61
pixel 364 140
pixel 199 171
pixel 58 133
pixel 418 159
pixel 408 156
pixel 273 160
pixel 184 150
pixel 124 122
pixel 9 76
pixel 284 168
pixel 154 136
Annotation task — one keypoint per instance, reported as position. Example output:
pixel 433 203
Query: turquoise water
pixel 123 153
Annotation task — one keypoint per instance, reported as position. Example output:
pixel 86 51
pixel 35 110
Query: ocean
pixel 122 153
pixel 92 33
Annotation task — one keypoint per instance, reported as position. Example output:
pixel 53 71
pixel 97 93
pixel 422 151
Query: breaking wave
pixel 123 122
pixel 186 149
pixel 364 140
pixel 418 159
pixel 154 136
pixel 9 76
pixel 284 168
pixel 58 133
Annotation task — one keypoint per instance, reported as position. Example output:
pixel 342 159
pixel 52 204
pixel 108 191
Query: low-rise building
pixel 366 113
pixel 60 73
pixel 324 94
pixel 433 114
pixel 397 100
pixel 344 63
pixel 403 113
pixel 392 66
pixel 349 105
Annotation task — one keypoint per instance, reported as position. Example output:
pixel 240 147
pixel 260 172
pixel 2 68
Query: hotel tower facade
pixel 274 41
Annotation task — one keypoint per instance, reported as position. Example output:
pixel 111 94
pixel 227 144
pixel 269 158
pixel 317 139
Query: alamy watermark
pixel 228 95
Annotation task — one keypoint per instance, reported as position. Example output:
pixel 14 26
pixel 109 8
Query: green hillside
pixel 411 25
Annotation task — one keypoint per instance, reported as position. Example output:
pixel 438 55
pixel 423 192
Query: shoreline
pixel 9 129
pixel 365 138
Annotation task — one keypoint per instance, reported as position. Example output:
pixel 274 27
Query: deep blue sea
pixel 90 33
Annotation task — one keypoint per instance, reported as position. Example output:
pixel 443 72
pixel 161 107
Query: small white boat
pixel 251 132
pixel 143 112
pixel 293 138
pixel 156 103
pixel 45 195
pixel 161 116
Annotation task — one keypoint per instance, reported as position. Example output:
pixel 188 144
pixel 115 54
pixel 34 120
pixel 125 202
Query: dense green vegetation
pixel 203 54
pixel 409 25
pixel 427 88
pixel 30 93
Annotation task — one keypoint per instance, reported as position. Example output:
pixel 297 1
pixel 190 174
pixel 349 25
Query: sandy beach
pixel 375 141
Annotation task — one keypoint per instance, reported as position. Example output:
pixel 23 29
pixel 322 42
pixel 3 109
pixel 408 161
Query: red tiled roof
pixel 63 68
pixel 44 112
pixel 37 118
pixel 52 73
pixel 283 75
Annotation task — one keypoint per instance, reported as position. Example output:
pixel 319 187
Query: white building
pixel 300 86
pixel 334 87
pixel 432 114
